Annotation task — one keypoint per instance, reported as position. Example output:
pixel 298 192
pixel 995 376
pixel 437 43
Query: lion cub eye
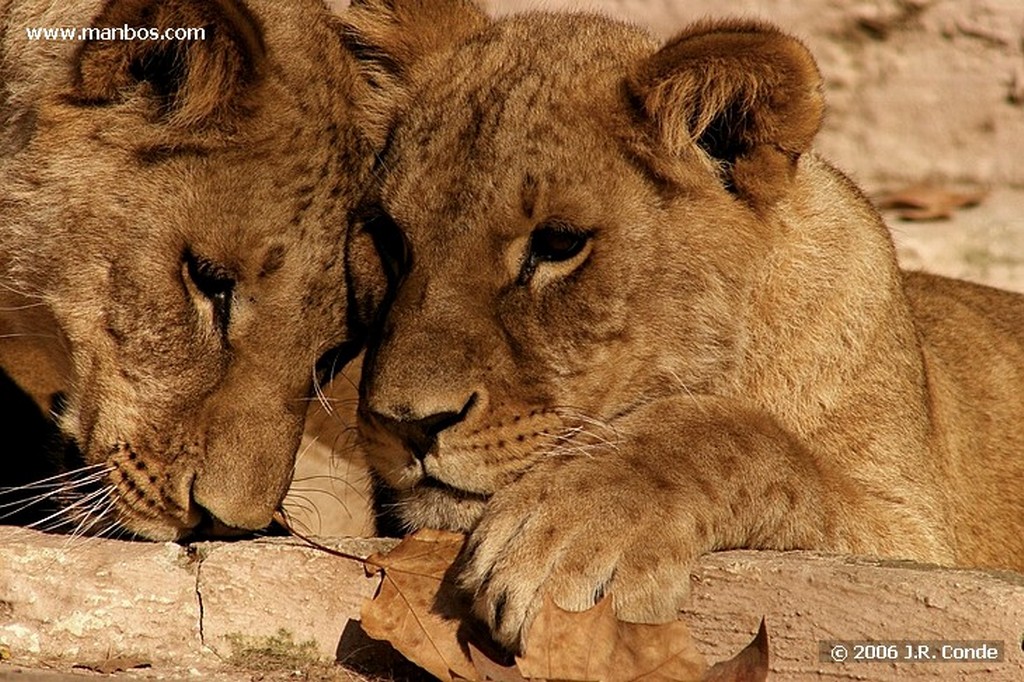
pixel 214 283
pixel 389 241
pixel 552 242
pixel 555 243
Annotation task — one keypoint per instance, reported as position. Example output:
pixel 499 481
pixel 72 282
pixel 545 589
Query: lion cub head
pixel 174 217
pixel 573 214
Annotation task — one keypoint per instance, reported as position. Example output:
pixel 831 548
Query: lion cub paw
pixel 577 531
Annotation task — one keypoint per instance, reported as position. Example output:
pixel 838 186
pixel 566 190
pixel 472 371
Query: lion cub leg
pixel 688 475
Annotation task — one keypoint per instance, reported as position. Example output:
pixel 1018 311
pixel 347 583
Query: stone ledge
pixel 808 597
pixel 187 609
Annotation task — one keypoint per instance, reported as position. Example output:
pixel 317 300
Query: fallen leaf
pixel 421 613
pixel 115 664
pixel 749 665
pixel 416 608
pixel 594 645
pixel 489 670
pixel 928 202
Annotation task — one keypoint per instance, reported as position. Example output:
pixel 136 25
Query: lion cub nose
pixel 420 433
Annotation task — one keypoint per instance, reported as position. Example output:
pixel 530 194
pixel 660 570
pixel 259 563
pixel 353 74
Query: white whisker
pixel 54 488
pixel 53 485
pixel 317 388
pixel 27 306
pixel 92 468
pixel 28 335
pixel 21 292
pixel 92 514
pixel 70 510
pixel 686 389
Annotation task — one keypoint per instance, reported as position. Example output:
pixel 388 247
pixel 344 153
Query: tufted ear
pixel 744 93
pixel 185 81
pixel 389 36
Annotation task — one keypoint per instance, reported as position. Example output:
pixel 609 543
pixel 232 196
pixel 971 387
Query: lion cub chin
pixel 635 318
pixel 174 217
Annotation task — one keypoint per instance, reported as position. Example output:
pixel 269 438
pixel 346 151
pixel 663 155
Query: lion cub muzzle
pixel 405 439
pixel 186 488
pixel 151 495
pixel 419 435
pixel 440 469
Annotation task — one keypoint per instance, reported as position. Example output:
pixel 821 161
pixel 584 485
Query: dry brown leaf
pixel 749 665
pixel 594 645
pixel 418 610
pixel 115 664
pixel 928 202
pixel 405 609
pixel 489 670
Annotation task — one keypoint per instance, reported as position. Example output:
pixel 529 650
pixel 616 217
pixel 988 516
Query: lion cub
pixel 173 216
pixel 636 319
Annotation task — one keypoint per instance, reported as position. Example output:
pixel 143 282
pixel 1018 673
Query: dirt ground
pixel 919 92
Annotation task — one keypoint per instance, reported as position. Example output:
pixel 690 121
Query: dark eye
pixel 215 283
pixel 555 242
pixel 390 243
pixel 552 242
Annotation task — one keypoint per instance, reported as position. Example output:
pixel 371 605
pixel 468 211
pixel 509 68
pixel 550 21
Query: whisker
pixel 317 388
pixel 53 490
pixel 93 517
pixel 93 514
pixel 310 509
pixel 17 506
pixel 71 509
pixel 27 306
pixel 68 479
pixel 28 335
pixel 579 416
pixel 686 389
pixel 21 292
pixel 301 498
pixel 352 381
pixel 586 435
pixel 77 536
pixel 317 477
pixel 115 530
pixel 106 515
pixel 333 401
pixel 322 397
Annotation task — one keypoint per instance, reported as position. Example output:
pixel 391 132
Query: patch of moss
pixel 278 652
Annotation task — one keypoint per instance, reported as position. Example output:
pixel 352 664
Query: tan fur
pixel 732 358
pixel 114 175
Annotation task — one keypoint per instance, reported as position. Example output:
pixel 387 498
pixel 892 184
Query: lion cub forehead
pixel 528 102
pixel 561 56
pixel 567 39
pixel 568 51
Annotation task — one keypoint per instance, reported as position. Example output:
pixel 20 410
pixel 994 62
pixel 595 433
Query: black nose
pixel 419 435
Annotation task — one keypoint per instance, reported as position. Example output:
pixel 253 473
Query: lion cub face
pixel 175 216
pixel 566 254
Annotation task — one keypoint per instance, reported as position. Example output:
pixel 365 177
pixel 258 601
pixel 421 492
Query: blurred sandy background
pixel 920 92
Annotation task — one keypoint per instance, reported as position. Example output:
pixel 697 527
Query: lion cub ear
pixel 388 37
pixel 190 81
pixel 745 94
